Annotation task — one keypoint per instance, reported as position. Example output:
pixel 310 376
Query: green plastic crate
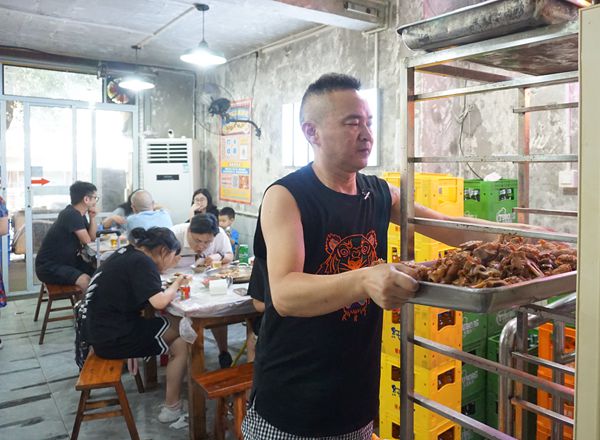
pixel 493 346
pixel 474 328
pixel 473 378
pixel 497 321
pixel 491 410
pixel 491 200
pixel 476 409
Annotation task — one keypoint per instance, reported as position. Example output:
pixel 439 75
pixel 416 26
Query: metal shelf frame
pixel 434 63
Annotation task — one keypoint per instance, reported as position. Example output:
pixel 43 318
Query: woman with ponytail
pixel 203 238
pixel 118 293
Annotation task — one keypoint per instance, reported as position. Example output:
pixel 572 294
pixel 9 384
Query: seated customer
pixel 203 237
pixel 60 260
pixel 128 280
pixel 226 219
pixel 202 203
pixel 144 214
pixel 118 218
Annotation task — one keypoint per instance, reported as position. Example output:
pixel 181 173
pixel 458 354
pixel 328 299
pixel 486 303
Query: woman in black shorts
pixel 119 290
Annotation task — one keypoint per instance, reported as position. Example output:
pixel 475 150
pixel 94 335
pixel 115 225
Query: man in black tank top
pixel 320 230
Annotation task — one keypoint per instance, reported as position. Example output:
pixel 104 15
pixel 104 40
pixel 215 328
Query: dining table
pixel 205 310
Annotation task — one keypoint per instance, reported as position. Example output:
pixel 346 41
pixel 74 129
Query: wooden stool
pixel 55 292
pixel 221 384
pixel 103 373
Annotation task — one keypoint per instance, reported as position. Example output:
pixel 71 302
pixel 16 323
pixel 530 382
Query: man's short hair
pixel 229 212
pixel 81 189
pixel 330 82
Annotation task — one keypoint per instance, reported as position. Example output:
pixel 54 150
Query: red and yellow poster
pixel 235 155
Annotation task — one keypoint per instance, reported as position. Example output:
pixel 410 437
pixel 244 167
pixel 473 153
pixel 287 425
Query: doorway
pixel 46 145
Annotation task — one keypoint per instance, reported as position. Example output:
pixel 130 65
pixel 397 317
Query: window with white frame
pixel 296 150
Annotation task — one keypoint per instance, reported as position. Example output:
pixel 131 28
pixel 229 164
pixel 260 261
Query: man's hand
pixel 388 286
pixel 92 212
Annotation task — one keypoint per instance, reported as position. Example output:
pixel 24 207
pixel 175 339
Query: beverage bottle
pixel 395 256
pixel 243 253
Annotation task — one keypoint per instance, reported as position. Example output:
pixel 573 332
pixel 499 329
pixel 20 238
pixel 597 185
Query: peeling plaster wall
pixel 489 126
pixel 170 105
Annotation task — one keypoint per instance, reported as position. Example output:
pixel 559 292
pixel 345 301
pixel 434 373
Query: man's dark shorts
pixel 60 274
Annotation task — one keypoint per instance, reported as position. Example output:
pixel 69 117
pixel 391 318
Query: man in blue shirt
pixel 144 214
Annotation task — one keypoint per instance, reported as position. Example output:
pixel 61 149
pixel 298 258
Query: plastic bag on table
pixel 186 331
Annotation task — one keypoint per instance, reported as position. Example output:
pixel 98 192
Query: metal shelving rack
pixel 562 36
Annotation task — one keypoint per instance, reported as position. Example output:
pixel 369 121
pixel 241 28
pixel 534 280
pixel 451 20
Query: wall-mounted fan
pixel 117 94
pixel 216 101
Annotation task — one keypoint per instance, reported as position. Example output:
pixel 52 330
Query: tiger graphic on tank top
pixel 350 253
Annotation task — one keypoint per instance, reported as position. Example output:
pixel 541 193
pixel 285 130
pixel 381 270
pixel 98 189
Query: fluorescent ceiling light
pixel 203 56
pixel 135 83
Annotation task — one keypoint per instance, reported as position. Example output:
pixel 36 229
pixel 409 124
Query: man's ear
pixel 310 132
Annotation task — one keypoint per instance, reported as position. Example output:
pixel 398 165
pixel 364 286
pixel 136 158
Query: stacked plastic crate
pixel 544 399
pixel 481 333
pixel 474 379
pixel 491 200
pixel 437 377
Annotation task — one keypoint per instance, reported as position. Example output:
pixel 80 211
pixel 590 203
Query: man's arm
pixel 299 294
pixel 83 236
pixel 92 226
pixel 452 237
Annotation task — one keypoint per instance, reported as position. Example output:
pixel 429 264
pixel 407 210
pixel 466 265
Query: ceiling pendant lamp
pixel 203 56
pixel 136 82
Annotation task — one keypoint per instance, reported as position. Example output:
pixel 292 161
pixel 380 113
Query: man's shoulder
pixel 179 227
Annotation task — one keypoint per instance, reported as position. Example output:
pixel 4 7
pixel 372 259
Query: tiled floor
pixel 38 399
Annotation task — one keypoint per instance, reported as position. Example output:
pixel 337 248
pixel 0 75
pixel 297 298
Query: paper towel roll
pixel 217 287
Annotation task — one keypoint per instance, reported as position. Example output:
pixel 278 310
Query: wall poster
pixel 235 155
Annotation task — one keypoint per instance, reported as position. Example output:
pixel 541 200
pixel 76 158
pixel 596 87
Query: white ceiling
pixel 106 29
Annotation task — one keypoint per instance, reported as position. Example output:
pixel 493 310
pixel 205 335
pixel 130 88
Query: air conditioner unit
pixel 167 175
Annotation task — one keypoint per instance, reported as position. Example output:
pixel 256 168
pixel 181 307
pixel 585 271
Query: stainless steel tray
pixel 493 299
pixel 485 20
pixel 241 275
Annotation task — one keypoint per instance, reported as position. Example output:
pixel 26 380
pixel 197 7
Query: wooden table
pixel 197 402
pixel 205 312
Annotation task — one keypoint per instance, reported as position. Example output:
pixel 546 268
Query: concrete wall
pixel 489 125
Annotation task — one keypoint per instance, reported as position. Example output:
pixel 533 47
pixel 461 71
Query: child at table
pixel 226 219
pixel 127 281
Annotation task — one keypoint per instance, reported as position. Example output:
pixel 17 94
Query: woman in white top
pixel 203 238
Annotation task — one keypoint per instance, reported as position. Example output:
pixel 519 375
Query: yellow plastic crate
pixel 393 235
pixel 441 192
pixel 428 249
pixel 442 384
pixel 392 177
pixel 390 343
pixel 439 325
pixel 389 429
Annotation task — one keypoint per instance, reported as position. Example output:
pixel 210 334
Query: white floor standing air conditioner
pixel 167 175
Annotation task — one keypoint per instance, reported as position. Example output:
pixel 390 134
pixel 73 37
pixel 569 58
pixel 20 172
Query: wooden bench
pixel 221 384
pixel 103 373
pixel 55 292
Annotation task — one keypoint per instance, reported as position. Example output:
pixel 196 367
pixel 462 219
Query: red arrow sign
pixel 41 181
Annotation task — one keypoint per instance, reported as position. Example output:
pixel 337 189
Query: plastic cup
pixel 185 292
